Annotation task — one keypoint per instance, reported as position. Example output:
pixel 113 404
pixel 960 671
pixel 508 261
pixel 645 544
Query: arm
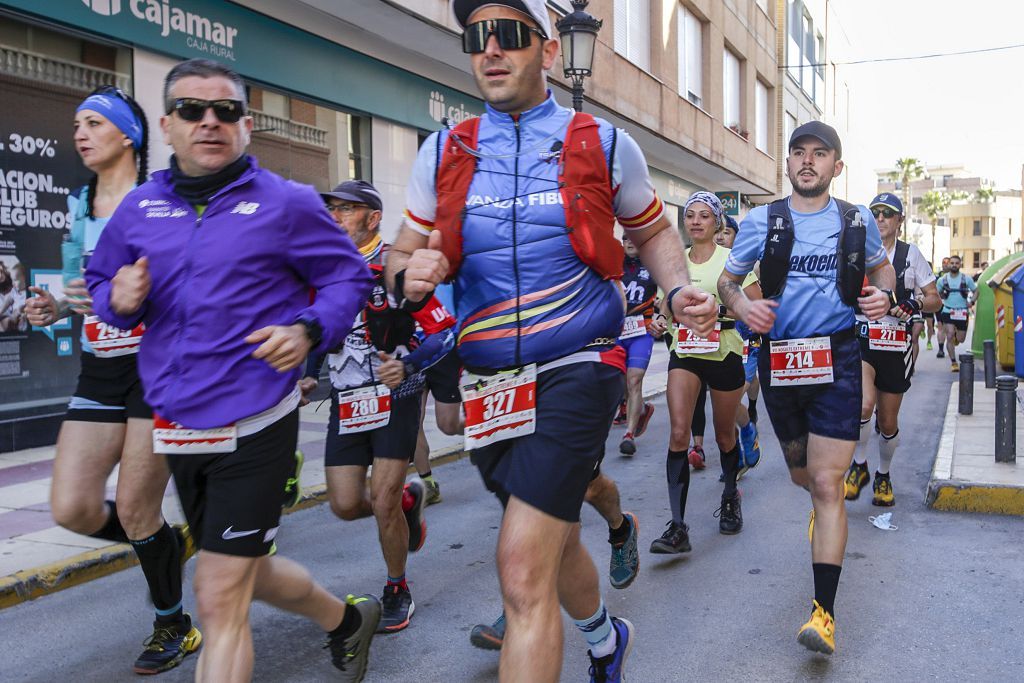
pixel 757 313
pixel 931 301
pixel 118 276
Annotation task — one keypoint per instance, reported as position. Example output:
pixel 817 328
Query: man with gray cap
pixel 816 254
pixel 538 188
pixel 376 387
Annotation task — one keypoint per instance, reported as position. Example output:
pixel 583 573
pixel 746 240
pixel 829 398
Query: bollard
pixel 966 384
pixel 1006 418
pixel 990 364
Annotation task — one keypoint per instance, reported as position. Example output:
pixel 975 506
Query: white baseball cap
pixel 535 9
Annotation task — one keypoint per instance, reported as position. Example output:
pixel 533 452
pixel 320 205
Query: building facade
pixel 984 231
pixel 344 89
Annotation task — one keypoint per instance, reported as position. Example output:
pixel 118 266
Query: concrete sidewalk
pixel 966 476
pixel 37 557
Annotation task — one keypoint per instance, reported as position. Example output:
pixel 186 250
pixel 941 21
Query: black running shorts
pixel 727 374
pixel 109 390
pixel 394 441
pixel 944 318
pixel 893 369
pixel 551 468
pixel 443 378
pixel 232 501
pixel 830 410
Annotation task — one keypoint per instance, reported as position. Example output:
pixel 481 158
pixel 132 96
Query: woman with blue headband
pixel 716 361
pixel 107 422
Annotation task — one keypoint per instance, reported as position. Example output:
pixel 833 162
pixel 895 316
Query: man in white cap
pixel 539 188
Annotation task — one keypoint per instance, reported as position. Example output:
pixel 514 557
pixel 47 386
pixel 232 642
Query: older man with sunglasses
pixel 216 257
pixel 539 189
pixel 887 352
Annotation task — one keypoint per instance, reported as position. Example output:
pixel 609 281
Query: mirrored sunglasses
pixel 887 213
pixel 511 34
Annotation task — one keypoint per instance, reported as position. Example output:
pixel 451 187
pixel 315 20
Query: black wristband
pixel 403 302
pixel 671 294
pixel 892 298
pixel 314 330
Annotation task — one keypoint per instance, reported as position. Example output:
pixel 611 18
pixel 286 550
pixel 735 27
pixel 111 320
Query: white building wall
pixel 148 71
pixel 394 150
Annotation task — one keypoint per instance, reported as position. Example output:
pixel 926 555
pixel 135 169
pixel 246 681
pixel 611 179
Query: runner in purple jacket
pixel 217 256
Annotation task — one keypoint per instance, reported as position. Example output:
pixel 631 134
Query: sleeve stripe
pixel 422 222
pixel 649 215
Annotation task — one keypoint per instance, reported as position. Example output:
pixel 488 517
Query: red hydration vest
pixel 583 181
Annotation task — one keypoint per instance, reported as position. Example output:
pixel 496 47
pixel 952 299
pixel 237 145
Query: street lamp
pixel 578 32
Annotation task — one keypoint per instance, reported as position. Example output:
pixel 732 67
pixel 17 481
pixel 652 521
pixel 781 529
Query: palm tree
pixel 935 203
pixel 907 170
pixel 985 195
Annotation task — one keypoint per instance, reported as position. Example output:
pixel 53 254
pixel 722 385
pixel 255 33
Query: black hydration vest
pixel 778 247
pixel 900 263
pixel 946 291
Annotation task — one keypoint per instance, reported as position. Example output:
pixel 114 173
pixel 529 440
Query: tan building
pixel 809 43
pixel 983 231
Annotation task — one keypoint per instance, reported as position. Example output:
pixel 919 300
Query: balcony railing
pixel 45 69
pixel 286 128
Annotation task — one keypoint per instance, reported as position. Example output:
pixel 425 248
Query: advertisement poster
pixel 38 169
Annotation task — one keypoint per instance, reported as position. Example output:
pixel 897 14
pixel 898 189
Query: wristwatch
pixel 892 298
pixel 314 330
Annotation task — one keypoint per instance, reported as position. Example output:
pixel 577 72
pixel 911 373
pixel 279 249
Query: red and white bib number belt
pixel 364 409
pixel 633 326
pixel 885 335
pixel 108 341
pixel 796 362
pixel 499 407
pixel 687 342
pixel 173 439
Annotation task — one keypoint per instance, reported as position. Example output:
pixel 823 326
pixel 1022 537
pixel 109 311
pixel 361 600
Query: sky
pixel 965 109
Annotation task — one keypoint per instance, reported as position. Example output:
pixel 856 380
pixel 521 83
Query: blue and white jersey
pixel 810 305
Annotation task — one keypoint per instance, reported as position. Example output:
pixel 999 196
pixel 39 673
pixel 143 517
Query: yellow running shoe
pixel 882 489
pixel 186 542
pixel 819 633
pixel 856 478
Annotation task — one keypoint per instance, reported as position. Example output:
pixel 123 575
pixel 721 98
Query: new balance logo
pixel 246 208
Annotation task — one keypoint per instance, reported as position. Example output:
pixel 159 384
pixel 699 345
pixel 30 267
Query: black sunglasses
pixel 510 33
pixel 888 213
pixel 193 109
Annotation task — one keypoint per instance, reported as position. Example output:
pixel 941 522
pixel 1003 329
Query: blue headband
pixel 711 199
pixel 118 113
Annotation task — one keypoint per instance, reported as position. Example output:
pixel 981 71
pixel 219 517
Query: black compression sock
pixel 426 475
pixel 112 529
pixel 160 558
pixel 826 583
pixel 677 470
pixel 752 409
pixel 617 537
pixel 730 468
pixel 349 623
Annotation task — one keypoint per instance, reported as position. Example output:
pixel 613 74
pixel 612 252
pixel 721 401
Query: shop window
pixel 306 141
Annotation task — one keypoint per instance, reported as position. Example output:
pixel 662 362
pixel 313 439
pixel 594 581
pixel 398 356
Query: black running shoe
pixel 350 655
pixel 730 517
pixel 396 609
pixel 417 524
pixel 675 540
pixel 168 645
pixel 489 636
pixel 941 353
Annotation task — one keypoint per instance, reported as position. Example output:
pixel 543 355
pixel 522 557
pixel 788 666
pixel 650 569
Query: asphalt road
pixel 939 599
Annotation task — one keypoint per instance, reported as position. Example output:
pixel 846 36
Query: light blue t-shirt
pixel 92 228
pixel 810 304
pixel 955 299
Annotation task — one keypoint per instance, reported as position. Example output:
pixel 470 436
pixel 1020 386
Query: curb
pixel 30 584
pixel 957 495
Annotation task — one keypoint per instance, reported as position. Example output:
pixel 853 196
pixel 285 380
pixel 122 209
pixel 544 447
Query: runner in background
pixel 958 293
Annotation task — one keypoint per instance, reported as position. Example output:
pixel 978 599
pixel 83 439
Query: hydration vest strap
pixel 850 268
pixel 778 247
pixel 900 262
